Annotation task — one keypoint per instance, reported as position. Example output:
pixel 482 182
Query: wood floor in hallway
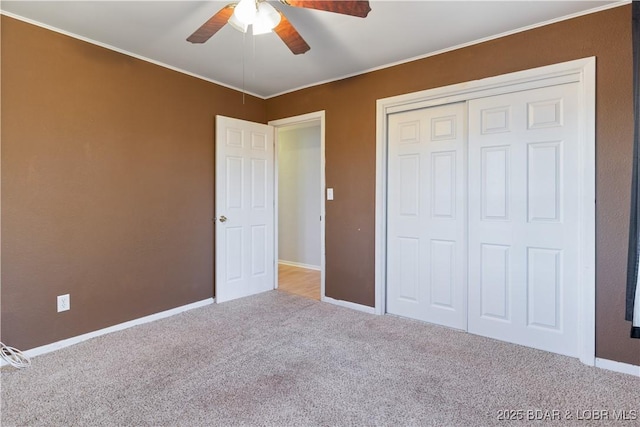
pixel 299 281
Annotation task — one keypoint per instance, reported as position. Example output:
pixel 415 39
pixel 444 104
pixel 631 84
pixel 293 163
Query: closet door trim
pixel 581 71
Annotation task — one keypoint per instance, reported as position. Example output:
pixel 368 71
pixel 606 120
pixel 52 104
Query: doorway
pixel 299 185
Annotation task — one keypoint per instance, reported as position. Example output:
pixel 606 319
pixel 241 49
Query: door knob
pixel 223 218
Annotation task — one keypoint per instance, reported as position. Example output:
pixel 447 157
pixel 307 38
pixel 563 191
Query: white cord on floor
pixel 14 357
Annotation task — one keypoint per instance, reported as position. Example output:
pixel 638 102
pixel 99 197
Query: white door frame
pixel 581 71
pixel 290 121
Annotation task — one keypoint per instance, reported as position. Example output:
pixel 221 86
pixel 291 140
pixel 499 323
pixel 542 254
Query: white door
pixel 244 208
pixel 426 255
pixel 524 199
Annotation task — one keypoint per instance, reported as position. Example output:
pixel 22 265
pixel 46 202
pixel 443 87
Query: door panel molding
pixel 581 71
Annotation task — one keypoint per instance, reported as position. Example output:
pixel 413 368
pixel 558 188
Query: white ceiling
pixel 395 31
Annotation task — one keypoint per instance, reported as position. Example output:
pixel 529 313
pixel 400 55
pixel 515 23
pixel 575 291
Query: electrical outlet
pixel 64 302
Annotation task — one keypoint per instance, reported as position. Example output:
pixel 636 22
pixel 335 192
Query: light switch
pixel 329 193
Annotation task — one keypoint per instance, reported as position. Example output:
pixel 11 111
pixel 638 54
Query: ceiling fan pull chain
pixel 253 70
pixel 244 38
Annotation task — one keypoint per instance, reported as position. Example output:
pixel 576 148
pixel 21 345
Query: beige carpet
pixel 280 360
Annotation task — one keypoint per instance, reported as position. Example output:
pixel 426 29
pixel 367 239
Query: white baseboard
pixel 612 365
pixel 37 351
pixel 299 264
pixel 347 304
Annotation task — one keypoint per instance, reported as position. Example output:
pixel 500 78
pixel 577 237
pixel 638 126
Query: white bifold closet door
pixel 524 224
pixel 426 221
pixel 483 222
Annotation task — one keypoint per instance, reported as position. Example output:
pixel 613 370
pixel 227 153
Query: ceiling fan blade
pixel 290 36
pixel 212 26
pixel 358 8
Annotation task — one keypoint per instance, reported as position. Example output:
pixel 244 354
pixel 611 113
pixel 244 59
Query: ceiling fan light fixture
pixel 267 19
pixel 245 12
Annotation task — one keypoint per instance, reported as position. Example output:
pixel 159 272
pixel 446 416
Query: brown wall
pixel 350 150
pixel 107 185
pixel 107 173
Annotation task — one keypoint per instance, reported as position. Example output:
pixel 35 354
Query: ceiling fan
pixel 263 18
